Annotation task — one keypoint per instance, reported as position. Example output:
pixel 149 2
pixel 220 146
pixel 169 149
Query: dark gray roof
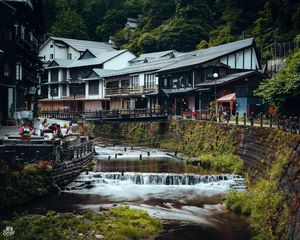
pixel 209 54
pixel 63 63
pixel 99 59
pixel 176 91
pixel 82 45
pixel 153 55
pixel 144 67
pixel 100 72
pixel 29 2
pixel 228 78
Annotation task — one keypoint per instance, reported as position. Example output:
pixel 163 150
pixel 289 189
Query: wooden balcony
pixel 153 88
pixel 123 91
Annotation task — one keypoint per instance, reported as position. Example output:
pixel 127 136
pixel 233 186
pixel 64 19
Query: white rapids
pixel 164 195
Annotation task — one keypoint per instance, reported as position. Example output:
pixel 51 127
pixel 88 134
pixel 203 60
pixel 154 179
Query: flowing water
pixel 190 205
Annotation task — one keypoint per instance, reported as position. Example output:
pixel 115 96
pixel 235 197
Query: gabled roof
pixel 96 51
pixel 153 55
pixel 60 63
pixel 81 45
pixel 210 54
pixel 99 59
pixel 144 67
pixel 29 2
pixel 99 72
pixel 229 78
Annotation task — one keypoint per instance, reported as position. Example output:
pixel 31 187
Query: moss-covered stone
pixel 21 186
pixel 116 224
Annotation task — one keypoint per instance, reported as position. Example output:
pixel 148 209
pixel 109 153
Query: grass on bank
pixel 21 186
pixel 120 223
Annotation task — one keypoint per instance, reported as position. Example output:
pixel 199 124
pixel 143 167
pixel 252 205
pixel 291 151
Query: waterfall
pixel 168 179
pixel 235 181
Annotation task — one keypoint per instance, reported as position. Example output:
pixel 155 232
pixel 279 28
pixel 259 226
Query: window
pixel 70 56
pixel 93 87
pixel 150 82
pixel 18 71
pixel 51 56
pixel 64 90
pixel 22 32
pixel 54 75
pixel 114 84
pixel 6 70
pixel 51 46
pixel 54 90
pixel 134 81
pixel 64 74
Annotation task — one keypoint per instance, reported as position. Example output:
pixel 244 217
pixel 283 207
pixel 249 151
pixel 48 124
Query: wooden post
pixel 237 118
pixel 141 157
pixel 244 116
pixel 271 121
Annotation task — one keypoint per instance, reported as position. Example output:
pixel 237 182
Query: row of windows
pixel 93 89
pixel 51 56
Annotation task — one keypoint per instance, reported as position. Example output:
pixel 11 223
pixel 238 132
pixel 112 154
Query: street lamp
pixel 216 75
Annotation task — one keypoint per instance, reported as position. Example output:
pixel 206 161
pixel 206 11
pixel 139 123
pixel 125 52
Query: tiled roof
pixel 144 67
pixel 209 54
pixel 101 72
pixel 64 63
pixel 99 59
pixel 82 45
pixel 228 78
pixel 153 55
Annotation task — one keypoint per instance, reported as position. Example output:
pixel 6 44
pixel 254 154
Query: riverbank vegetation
pixel 21 186
pixel 271 165
pixel 268 199
pixel 212 145
pixel 283 89
pixel 116 224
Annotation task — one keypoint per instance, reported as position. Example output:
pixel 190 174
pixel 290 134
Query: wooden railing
pixel 107 114
pixel 286 123
pixel 129 90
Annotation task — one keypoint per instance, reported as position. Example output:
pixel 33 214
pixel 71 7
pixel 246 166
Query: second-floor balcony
pixel 129 90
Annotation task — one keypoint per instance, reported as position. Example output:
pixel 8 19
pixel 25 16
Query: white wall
pixel 75 53
pixel 120 61
pixel 60 52
pixel 242 60
pixel 100 94
pixel 46 51
pixel 247 58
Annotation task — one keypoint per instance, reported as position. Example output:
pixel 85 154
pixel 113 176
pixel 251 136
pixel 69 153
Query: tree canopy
pixel 283 90
pixel 174 24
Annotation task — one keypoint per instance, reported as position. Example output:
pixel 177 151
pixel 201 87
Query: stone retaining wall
pixel 64 173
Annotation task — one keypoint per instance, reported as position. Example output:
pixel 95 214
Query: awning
pixel 227 98
pixel 231 98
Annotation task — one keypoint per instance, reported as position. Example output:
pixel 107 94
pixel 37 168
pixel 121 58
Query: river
pixel 189 205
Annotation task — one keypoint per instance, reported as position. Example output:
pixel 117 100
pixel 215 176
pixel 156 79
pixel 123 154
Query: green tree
pixel 283 90
pixel 69 24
